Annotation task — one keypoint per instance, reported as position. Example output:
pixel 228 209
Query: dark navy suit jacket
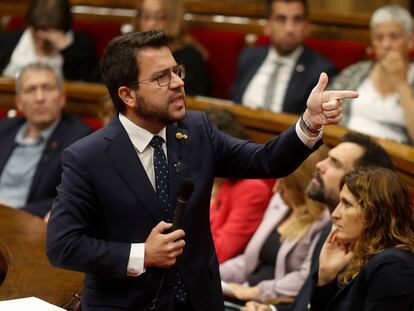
pixel 385 283
pixel 106 202
pixel 47 175
pixel 305 76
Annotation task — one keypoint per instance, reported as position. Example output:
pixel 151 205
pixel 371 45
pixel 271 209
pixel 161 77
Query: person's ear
pixel 306 29
pixel 18 103
pixel 127 95
pixel 62 100
pixel 410 42
pixel 267 29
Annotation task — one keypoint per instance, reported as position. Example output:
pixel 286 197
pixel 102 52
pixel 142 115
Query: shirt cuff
pixel 136 260
pixel 272 307
pixel 308 141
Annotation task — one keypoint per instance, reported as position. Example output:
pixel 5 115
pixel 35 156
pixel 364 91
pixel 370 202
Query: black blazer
pixel 80 61
pixel 305 76
pixel 385 283
pixel 47 175
pixel 106 202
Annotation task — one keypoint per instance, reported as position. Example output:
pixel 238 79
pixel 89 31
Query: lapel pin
pixel 300 68
pixel 181 136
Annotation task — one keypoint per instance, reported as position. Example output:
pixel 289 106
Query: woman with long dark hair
pixel 367 262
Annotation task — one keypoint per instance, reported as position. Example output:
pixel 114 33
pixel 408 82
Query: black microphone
pixel 184 193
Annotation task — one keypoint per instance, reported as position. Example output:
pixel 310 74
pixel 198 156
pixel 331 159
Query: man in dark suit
pixel 355 151
pixel 112 215
pixel 280 77
pixel 30 163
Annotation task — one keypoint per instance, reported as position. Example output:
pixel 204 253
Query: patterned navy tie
pixel 161 175
pixel 162 182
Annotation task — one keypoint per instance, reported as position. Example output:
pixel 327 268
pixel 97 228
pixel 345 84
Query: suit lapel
pixel 285 248
pixel 49 153
pixel 341 292
pixel 7 145
pixel 125 158
pixel 296 83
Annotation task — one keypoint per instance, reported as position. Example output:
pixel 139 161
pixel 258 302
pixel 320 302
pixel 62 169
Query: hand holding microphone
pixel 165 242
pixel 184 193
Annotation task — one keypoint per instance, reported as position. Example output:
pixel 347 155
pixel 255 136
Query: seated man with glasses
pixel 113 213
pixel 32 145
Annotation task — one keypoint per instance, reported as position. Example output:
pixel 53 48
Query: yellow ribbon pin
pixel 181 136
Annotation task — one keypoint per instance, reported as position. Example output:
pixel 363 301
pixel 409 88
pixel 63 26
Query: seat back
pixel 223 48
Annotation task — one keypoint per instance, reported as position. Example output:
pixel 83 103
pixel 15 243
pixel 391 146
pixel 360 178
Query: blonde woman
pixel 276 261
pixel 168 15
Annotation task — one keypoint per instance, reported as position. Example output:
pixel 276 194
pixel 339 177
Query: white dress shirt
pixel 141 138
pixel 255 92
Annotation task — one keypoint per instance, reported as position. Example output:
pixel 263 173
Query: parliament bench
pixel 87 100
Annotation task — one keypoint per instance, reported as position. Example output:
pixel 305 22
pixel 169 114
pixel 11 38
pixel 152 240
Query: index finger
pixel 175 235
pixel 332 95
pixel 332 234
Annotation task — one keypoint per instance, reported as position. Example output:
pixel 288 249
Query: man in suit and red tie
pixel 114 207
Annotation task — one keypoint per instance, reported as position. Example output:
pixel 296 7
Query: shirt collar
pixel 43 136
pixel 290 59
pixel 140 137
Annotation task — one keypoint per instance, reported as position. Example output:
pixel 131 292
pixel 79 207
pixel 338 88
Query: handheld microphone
pixel 185 191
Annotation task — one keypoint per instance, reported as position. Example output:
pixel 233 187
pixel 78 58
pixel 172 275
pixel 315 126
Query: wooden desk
pixel 24 268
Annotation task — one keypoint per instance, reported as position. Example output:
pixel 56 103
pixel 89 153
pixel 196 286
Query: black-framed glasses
pixel 164 77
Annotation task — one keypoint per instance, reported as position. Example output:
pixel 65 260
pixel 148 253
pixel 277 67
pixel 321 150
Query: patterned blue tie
pixel 162 182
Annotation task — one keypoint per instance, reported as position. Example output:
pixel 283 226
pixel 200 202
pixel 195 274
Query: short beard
pixel 151 113
pixel 318 192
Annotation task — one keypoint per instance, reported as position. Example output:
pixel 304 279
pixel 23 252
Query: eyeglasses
pixel 164 77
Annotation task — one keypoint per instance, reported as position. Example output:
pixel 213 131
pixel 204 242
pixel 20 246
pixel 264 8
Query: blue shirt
pixel 17 175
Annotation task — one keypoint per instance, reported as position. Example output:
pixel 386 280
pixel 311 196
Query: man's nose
pixel 320 166
pixel 39 94
pixel 176 81
pixel 289 26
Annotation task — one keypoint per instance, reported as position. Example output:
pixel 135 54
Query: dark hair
pixel 374 154
pixel 386 211
pixel 227 122
pixel 50 14
pixel 270 2
pixel 119 63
